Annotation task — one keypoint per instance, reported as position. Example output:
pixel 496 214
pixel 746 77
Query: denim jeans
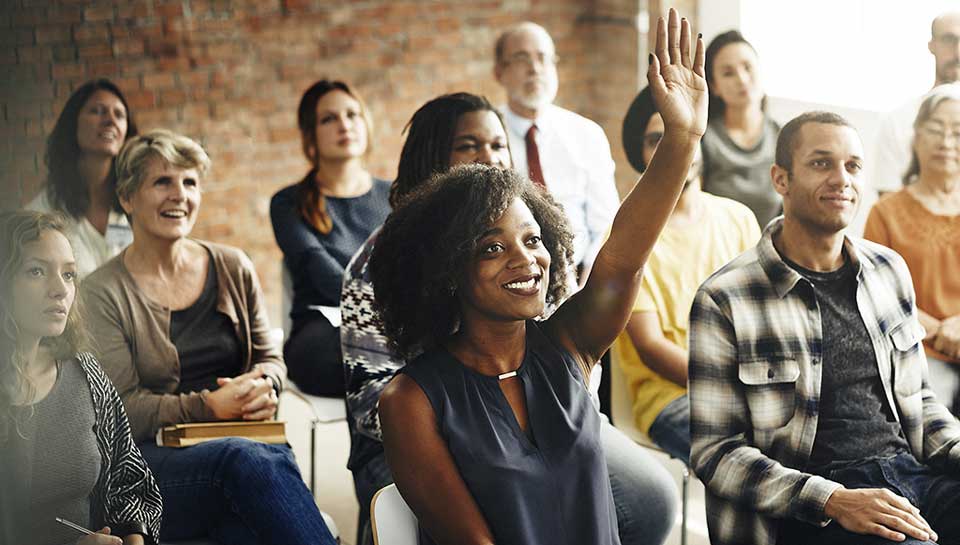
pixel 936 494
pixel 644 493
pixel 236 491
pixel 671 429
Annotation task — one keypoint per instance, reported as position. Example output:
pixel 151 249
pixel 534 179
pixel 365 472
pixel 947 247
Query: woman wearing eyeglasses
pixel 922 223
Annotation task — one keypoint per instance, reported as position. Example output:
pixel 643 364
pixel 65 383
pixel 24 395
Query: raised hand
pixel 677 80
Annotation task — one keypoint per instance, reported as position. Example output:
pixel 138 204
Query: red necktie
pixel 533 157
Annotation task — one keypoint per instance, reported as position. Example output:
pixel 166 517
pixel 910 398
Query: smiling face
pixel 341 132
pixel 509 276
pixel 823 191
pixel 102 124
pixel 480 138
pixel 735 76
pixel 937 141
pixel 166 203
pixel 43 288
pixel 528 69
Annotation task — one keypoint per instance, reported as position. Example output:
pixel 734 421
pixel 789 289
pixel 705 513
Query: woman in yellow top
pixel 922 223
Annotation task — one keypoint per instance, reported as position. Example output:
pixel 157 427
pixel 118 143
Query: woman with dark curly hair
pixel 491 434
pixel 81 149
pixel 319 222
pixel 65 444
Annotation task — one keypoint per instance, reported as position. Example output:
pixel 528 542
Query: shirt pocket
pixel 770 387
pixel 906 358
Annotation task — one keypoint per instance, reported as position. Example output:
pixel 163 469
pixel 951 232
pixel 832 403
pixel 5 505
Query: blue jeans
pixel 643 490
pixel 671 429
pixel 237 492
pixel 936 494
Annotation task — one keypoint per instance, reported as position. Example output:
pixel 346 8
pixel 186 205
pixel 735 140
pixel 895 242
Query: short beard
pixel 538 100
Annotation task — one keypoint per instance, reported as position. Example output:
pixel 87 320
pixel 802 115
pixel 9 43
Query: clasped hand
pixel 249 396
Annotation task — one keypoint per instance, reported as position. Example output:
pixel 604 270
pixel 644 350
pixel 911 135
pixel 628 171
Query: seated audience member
pixel 65 444
pixel 81 183
pixel 319 222
pixel 738 146
pixel 810 412
pixel 182 332
pixel 561 150
pixel 921 222
pixel 894 139
pixel 704 232
pixel 491 433
pixel 450 130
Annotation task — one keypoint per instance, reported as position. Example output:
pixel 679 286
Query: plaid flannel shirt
pixel 755 353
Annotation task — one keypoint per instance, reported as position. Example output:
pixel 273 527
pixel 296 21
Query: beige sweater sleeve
pixel 115 324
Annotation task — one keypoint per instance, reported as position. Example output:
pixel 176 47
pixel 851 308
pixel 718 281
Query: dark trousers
pixel 313 357
pixel 935 493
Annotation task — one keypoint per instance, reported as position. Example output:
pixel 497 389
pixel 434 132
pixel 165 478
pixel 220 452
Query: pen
pixel 73 525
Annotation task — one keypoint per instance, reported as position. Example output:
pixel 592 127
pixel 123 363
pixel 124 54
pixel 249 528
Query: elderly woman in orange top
pixel 922 223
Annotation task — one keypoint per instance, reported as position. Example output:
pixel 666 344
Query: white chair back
pixel 621 402
pixel 393 523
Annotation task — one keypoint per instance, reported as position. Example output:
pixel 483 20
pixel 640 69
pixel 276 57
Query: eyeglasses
pixel 526 59
pixel 935 132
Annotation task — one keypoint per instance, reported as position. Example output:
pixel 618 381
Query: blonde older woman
pixel 922 223
pixel 183 334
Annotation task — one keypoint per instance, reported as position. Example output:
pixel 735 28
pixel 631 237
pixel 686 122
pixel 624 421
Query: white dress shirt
pixel 893 147
pixel 577 168
pixel 90 248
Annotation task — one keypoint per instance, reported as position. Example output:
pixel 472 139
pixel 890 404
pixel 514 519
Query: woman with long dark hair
pixel 81 149
pixel 65 444
pixel 741 139
pixel 489 431
pixel 319 222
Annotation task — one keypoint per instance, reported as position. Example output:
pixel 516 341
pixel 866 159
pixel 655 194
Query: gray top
pixel 548 487
pixel 855 421
pixel 742 174
pixel 57 460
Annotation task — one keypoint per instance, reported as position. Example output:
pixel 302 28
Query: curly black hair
pixel 427 245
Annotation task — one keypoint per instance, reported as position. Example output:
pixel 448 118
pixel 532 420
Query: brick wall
pixel 229 73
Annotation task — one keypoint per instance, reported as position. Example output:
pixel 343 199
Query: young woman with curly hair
pixel 491 434
pixel 81 183
pixel 65 444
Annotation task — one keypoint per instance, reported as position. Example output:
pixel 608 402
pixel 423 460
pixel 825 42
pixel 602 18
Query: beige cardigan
pixel 131 336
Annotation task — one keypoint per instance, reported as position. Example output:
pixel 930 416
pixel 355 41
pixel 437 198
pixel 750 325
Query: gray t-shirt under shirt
pixel 742 174
pixel 855 421
pixel 56 462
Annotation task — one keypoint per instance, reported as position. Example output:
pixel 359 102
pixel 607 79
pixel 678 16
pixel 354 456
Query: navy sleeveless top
pixel 549 487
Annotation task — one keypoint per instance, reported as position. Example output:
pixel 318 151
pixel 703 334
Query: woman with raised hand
pixel 319 222
pixel 741 139
pixel 490 433
pixel 450 130
pixel 922 223
pixel 65 444
pixel 81 185
pixel 182 332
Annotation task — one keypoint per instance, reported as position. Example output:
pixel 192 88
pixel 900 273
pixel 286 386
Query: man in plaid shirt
pixel 811 418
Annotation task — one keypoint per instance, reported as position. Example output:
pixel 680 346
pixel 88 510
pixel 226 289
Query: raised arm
pixel 590 320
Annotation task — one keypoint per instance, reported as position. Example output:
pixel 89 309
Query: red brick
pixel 140 99
pixel 52 34
pixel 98 13
pixel 91 33
pixel 68 70
pixel 28 17
pixel 95 51
pixel 128 47
pixel 170 9
pixel 158 81
pixel 172 97
pixel 64 53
